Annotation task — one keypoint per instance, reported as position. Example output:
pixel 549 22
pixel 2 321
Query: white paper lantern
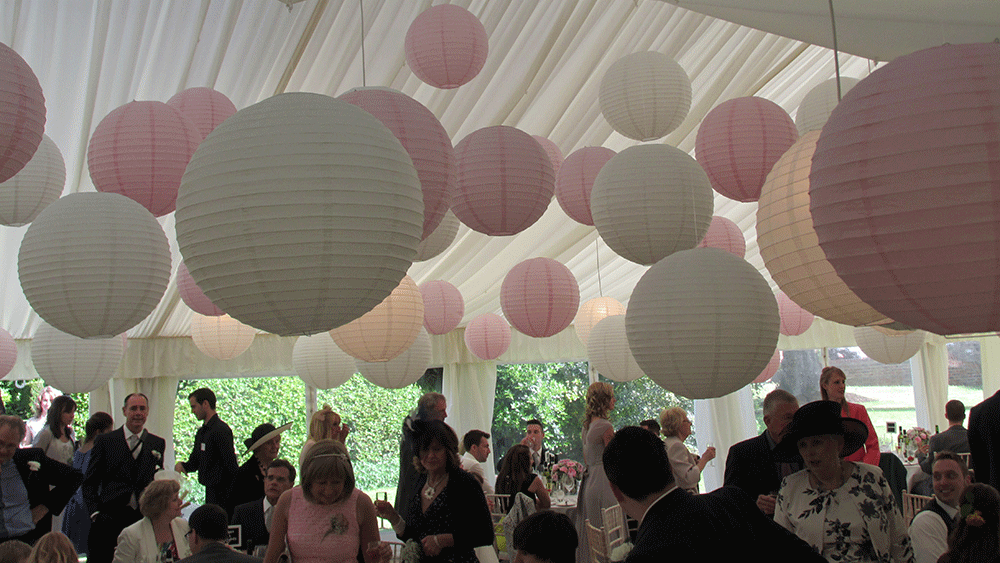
pixel 299 214
pixel 387 330
pixel 889 346
pixel 8 352
pixel 221 337
pixel 650 201
pixel 438 241
pixel 609 352
pixel 94 264
pixel 402 370
pixel 646 95
pixel 819 102
pixel 75 365
pixel 702 323
pixel 320 362
pixel 36 186
pixel 593 312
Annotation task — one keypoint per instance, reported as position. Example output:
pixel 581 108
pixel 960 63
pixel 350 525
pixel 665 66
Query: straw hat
pixel 262 434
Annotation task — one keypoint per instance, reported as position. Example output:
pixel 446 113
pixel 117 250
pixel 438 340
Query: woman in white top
pixel 56 437
pixel 687 467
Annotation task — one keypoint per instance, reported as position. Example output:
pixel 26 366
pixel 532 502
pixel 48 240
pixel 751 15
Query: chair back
pixel 614 527
pixel 499 505
pixel 965 457
pixel 912 505
pixel 397 550
pixel 596 543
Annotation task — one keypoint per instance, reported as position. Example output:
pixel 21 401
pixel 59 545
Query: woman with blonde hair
pixel 161 534
pixel 53 547
pixel 324 425
pixel 833 387
pixel 687 467
pixel 595 489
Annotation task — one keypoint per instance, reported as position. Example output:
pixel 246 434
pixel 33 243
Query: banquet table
pixel 566 506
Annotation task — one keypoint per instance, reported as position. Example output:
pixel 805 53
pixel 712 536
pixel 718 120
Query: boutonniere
pixel 34 465
pixel 156 455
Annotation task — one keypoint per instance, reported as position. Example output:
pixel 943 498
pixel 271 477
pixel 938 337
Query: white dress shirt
pixel 929 534
pixel 471 465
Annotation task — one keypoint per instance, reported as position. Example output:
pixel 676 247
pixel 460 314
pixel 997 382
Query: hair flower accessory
pixel 34 465
pixel 975 518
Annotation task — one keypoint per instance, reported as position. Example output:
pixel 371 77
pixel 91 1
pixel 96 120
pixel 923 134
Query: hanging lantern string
pixel 364 78
pixel 597 255
pixel 836 51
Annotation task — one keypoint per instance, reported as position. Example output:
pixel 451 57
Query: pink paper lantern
pixel 738 143
pixel 443 306
pixel 505 181
pixel 22 113
pixel 140 150
pixel 575 180
pixel 446 46
pixel 205 107
pixel 551 149
pixel 487 336
pixel 794 319
pixel 424 139
pixel 770 369
pixel 905 189
pixel 540 297
pixel 8 352
pixel 193 296
pixel 723 233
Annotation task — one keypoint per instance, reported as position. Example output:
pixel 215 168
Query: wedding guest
pixel 984 425
pixel 14 551
pixel 324 425
pixel 687 467
pixel 545 537
pixel 76 517
pixel 955 438
pixel 34 424
pixel 161 534
pixel 833 387
pixel 213 456
pixel 248 484
pixel 256 517
pixel 595 489
pixel 56 437
pixel 430 406
pixel 477 451
pixel 976 538
pixel 208 535
pixel 651 425
pixel 516 477
pixel 931 527
pixel 534 438
pixel 53 547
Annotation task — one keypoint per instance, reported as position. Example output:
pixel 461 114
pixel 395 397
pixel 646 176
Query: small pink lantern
pixel 446 46
pixel 140 150
pixel 22 113
pixel 193 296
pixel 551 149
pixel 738 143
pixel 576 178
pixel 794 319
pixel 770 369
pixel 205 107
pixel 424 139
pixel 487 336
pixel 723 233
pixel 387 330
pixel 443 306
pixel 540 297
pixel 505 181
pixel 8 352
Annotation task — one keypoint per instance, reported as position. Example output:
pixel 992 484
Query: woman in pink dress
pixel 833 387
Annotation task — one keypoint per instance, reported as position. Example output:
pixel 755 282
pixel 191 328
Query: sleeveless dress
pixel 595 489
pixel 76 517
pixel 323 532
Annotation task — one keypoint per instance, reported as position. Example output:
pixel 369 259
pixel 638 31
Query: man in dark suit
pixel 208 535
pixel 213 455
pixel 122 463
pixel 750 464
pixel 534 438
pixel 33 487
pixel 984 440
pixel 676 525
pixel 954 439
pixel 254 516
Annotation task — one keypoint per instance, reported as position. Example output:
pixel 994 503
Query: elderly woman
pixel 324 425
pixel 161 535
pixel 844 509
pixel 833 387
pixel 248 483
pixel 687 467
pixel 448 516
pixel 516 476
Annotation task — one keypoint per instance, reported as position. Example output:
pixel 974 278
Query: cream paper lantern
pixel 36 186
pixel 75 365
pixel 888 346
pixel 593 312
pixel 221 337
pixel 94 264
pixel 650 201
pixel 8 352
pixel 818 104
pixel 702 323
pixel 320 362
pixel 402 370
pixel 387 330
pixel 299 214
pixel 609 352
pixel 645 95
pixel 439 240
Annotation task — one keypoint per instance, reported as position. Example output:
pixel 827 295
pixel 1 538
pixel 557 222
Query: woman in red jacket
pixel 833 386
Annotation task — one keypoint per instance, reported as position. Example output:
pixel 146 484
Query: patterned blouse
pixel 857 522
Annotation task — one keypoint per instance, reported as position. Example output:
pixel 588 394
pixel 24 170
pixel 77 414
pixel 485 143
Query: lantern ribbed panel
pixel 140 150
pixel 723 233
pixel 650 201
pixel 888 346
pixel 387 330
pixel 205 107
pixel 94 264
pixel 551 149
pixel 770 369
pixel 738 143
pixel 444 306
pixel 645 95
pixel 790 248
pixel 905 189
pixel 424 139
pixel 439 240
pixel 22 113
pixel 818 104
pixel 540 297
pixel 702 323
pixel 608 350
pixel 575 181
pixel 402 370
pixel 593 312
pixel 487 336
pixel 221 337
pixel 75 365
pixel 37 185
pixel 505 181
pixel 193 296
pixel 446 46
pixel 8 352
pixel 320 362
pixel 299 214
pixel 794 319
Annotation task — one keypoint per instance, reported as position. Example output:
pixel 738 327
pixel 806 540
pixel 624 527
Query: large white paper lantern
pixel 608 350
pixel 645 95
pixel 8 352
pixel 650 201
pixel 593 312
pixel 443 306
pixel 818 104
pixel 94 264
pixel 487 336
pixel 299 214
pixel 221 337
pixel 387 330
pixel 402 370
pixel 438 241
pixel 540 297
pixel 888 346
pixel 36 186
pixel 75 365
pixel 320 362
pixel 702 323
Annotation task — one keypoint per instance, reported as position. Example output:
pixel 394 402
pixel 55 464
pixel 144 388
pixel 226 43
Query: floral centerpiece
pixel 912 440
pixel 566 473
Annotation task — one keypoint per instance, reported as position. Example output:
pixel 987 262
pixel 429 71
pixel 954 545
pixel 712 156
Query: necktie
pixel 133 445
pixel 268 514
pixel 536 458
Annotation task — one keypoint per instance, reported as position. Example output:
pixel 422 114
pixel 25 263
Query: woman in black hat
pixel 248 483
pixel 844 509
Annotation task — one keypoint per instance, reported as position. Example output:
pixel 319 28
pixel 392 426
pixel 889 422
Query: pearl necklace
pixel 430 488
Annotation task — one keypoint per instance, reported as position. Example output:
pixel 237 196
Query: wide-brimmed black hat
pixel 263 433
pixel 816 419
